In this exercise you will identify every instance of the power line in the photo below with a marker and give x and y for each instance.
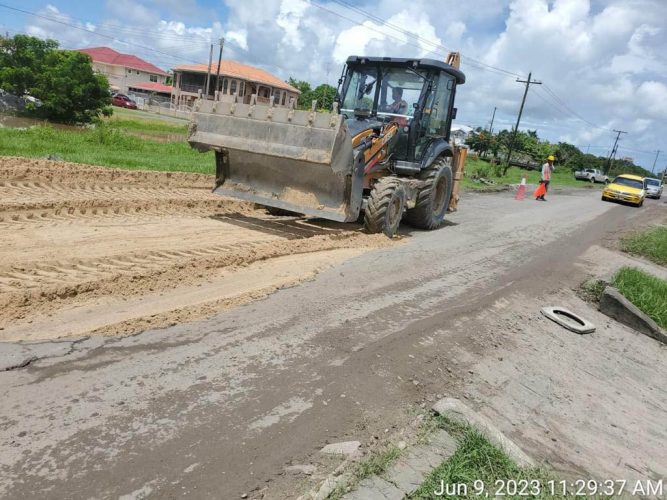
(407, 42)
(55, 20)
(419, 38)
(553, 94)
(171, 56)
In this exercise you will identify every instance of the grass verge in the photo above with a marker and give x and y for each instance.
(110, 144)
(377, 463)
(560, 178)
(647, 292)
(651, 244)
(483, 469)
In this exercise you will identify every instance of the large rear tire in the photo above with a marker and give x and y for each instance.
(433, 199)
(384, 209)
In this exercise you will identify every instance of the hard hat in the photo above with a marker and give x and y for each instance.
(551, 157)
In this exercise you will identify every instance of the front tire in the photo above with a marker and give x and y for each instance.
(384, 209)
(592, 180)
(433, 199)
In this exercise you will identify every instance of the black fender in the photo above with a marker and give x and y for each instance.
(438, 147)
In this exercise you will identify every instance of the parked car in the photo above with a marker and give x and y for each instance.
(122, 101)
(653, 187)
(627, 188)
(591, 175)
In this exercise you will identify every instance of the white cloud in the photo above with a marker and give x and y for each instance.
(605, 59)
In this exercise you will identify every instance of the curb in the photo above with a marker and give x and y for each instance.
(452, 407)
(405, 476)
(616, 306)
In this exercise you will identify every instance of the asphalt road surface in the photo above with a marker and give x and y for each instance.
(217, 408)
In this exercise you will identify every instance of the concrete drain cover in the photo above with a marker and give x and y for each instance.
(567, 319)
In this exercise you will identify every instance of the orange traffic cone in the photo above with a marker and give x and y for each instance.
(540, 191)
(521, 192)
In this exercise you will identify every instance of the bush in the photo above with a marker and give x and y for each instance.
(482, 171)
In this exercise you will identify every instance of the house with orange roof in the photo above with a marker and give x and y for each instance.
(233, 79)
(124, 70)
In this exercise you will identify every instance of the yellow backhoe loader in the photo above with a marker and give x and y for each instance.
(383, 150)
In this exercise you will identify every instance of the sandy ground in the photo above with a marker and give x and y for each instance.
(218, 408)
(89, 249)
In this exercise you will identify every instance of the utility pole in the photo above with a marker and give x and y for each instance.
(528, 83)
(613, 149)
(493, 116)
(656, 159)
(217, 73)
(208, 73)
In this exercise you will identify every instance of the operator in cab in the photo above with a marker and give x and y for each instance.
(399, 106)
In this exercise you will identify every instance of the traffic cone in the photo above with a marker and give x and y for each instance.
(521, 192)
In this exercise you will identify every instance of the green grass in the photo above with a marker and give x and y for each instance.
(645, 291)
(111, 144)
(477, 462)
(651, 244)
(135, 114)
(559, 178)
(146, 125)
(377, 463)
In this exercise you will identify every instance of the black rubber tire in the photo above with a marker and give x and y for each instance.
(592, 180)
(281, 212)
(433, 199)
(385, 205)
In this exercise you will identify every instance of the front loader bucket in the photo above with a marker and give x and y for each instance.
(280, 157)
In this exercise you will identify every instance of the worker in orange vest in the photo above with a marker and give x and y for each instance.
(547, 168)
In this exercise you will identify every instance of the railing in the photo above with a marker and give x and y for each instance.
(194, 89)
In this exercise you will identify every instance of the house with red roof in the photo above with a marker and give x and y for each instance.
(232, 79)
(125, 70)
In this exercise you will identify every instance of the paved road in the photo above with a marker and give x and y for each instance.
(217, 408)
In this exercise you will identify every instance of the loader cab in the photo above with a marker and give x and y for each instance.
(417, 94)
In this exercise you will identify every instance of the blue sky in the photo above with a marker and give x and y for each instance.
(602, 61)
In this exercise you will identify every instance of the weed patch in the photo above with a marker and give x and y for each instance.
(651, 244)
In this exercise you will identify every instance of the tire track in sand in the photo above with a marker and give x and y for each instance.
(73, 234)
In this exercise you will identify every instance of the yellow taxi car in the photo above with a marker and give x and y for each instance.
(627, 188)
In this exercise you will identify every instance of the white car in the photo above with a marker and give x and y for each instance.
(592, 175)
(653, 187)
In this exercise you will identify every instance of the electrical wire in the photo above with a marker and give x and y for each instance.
(407, 42)
(399, 29)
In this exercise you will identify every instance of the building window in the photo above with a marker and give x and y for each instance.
(153, 78)
(232, 87)
(241, 88)
(284, 96)
(225, 85)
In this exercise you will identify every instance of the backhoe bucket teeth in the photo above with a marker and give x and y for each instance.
(280, 157)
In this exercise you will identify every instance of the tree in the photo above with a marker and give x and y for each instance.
(325, 95)
(62, 80)
(302, 86)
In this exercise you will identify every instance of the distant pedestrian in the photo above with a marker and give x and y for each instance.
(547, 168)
